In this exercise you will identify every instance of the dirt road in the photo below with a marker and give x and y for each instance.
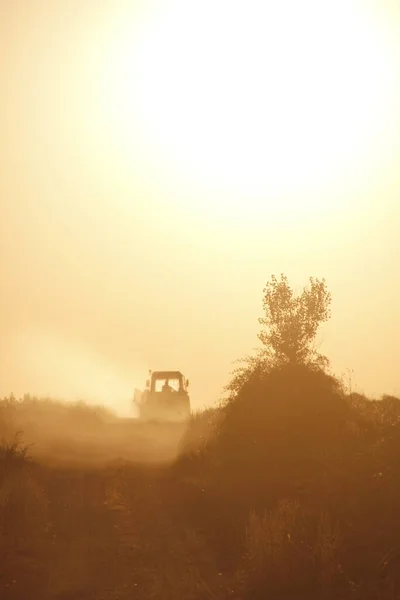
(104, 520)
(121, 441)
(112, 534)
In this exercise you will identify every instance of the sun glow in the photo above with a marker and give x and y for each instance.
(255, 97)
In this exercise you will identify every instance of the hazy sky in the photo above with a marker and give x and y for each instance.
(161, 159)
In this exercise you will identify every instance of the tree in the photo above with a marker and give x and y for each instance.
(290, 324)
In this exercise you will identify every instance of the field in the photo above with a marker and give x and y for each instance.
(290, 491)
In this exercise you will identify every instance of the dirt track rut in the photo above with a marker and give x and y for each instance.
(158, 555)
(115, 534)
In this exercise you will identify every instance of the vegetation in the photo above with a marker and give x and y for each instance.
(290, 325)
(288, 490)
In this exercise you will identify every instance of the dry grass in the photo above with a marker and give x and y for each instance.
(287, 553)
(291, 491)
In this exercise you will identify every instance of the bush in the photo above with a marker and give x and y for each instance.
(293, 414)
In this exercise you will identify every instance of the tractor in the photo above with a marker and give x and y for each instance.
(165, 398)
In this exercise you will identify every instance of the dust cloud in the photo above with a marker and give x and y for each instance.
(81, 411)
(78, 435)
(58, 365)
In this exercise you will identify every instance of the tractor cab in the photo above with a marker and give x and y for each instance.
(167, 382)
